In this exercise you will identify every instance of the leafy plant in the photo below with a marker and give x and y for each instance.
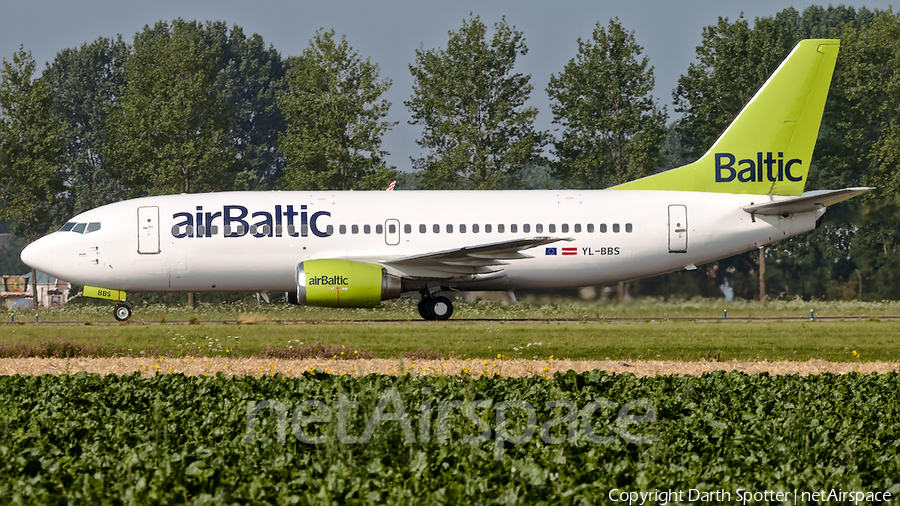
(171, 438)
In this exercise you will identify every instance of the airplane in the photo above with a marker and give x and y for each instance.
(357, 249)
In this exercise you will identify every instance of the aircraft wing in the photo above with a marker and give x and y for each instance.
(809, 201)
(483, 258)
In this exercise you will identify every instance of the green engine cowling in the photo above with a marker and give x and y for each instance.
(345, 283)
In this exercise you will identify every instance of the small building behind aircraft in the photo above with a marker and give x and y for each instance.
(15, 291)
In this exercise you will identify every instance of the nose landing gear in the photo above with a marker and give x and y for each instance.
(435, 308)
(122, 312)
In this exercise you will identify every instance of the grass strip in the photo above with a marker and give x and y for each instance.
(846, 341)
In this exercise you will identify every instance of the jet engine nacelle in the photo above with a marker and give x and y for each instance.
(343, 283)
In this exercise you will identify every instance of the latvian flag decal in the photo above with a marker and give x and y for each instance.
(569, 251)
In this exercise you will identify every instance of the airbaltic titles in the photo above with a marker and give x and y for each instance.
(265, 224)
(752, 170)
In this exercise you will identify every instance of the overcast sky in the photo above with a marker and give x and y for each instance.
(390, 31)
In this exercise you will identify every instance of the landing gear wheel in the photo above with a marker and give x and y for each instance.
(435, 308)
(440, 308)
(122, 312)
(423, 305)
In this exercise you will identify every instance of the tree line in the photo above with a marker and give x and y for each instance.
(195, 107)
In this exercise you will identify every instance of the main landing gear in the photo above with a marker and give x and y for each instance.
(435, 308)
(122, 312)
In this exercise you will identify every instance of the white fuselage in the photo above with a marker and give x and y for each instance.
(253, 241)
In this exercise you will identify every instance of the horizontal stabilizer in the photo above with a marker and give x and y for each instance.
(809, 201)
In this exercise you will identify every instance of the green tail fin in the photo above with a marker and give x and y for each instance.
(767, 149)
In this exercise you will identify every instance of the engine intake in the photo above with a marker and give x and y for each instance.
(344, 283)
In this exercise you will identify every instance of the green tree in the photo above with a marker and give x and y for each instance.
(819, 22)
(169, 133)
(868, 129)
(250, 77)
(335, 119)
(612, 129)
(85, 84)
(869, 89)
(471, 105)
(733, 62)
(10, 260)
(31, 150)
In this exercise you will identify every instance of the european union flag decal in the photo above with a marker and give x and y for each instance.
(550, 251)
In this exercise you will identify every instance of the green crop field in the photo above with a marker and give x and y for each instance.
(573, 439)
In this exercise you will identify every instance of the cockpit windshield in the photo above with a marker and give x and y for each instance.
(80, 228)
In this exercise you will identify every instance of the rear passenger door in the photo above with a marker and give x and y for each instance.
(678, 228)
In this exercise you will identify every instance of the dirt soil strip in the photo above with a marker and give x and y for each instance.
(196, 366)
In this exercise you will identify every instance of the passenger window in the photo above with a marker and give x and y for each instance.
(565, 228)
(513, 229)
(628, 228)
(449, 228)
(342, 229)
(487, 229)
(551, 228)
(367, 229)
(499, 229)
(526, 228)
(392, 228)
(436, 228)
(329, 230)
(422, 228)
(68, 226)
(475, 228)
(79, 228)
(539, 229)
(379, 229)
(92, 227)
(590, 228)
(462, 228)
(407, 229)
(354, 229)
(577, 228)
(616, 228)
(603, 228)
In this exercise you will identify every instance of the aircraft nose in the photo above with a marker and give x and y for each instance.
(39, 255)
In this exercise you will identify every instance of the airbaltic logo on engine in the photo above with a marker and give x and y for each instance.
(748, 169)
(238, 221)
(328, 280)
